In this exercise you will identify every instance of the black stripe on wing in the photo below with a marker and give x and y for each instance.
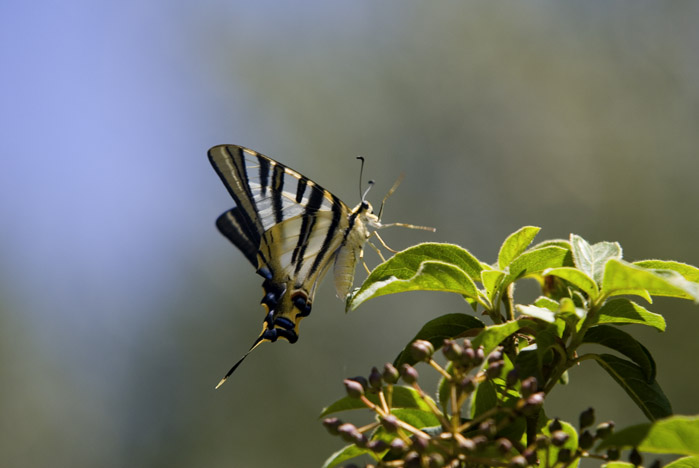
(229, 163)
(309, 219)
(268, 191)
(232, 225)
(332, 232)
(277, 192)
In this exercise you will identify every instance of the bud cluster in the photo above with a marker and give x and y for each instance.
(458, 441)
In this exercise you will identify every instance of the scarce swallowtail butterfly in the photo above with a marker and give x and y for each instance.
(292, 230)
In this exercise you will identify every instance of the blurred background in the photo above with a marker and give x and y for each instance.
(121, 306)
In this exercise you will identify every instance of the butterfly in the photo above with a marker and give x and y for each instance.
(292, 231)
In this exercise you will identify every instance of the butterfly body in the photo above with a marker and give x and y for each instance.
(292, 231)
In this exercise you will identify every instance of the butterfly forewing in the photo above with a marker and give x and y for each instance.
(267, 192)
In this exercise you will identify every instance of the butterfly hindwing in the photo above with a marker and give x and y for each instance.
(233, 225)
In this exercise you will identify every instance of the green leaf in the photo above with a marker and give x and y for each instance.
(540, 313)
(685, 462)
(491, 280)
(403, 397)
(425, 267)
(344, 454)
(625, 278)
(592, 258)
(563, 243)
(618, 340)
(546, 303)
(444, 390)
(515, 244)
(531, 359)
(577, 278)
(569, 312)
(417, 418)
(618, 464)
(549, 455)
(623, 310)
(437, 330)
(527, 363)
(491, 336)
(677, 435)
(689, 272)
(484, 398)
(535, 261)
(648, 396)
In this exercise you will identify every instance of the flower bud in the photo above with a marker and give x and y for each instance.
(532, 404)
(451, 350)
(331, 424)
(361, 381)
(512, 378)
(487, 428)
(390, 423)
(390, 373)
(518, 461)
(421, 350)
(559, 438)
(468, 357)
(377, 445)
(467, 344)
(435, 460)
(412, 460)
(529, 386)
(635, 457)
(494, 370)
(496, 355)
(409, 374)
(586, 440)
(375, 378)
(529, 454)
(604, 429)
(348, 432)
(503, 445)
(419, 443)
(564, 455)
(613, 454)
(397, 446)
(555, 425)
(354, 389)
(466, 445)
(360, 440)
(541, 441)
(480, 441)
(466, 385)
(587, 418)
(480, 356)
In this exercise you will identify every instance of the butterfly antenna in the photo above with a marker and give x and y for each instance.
(371, 184)
(390, 192)
(260, 339)
(361, 171)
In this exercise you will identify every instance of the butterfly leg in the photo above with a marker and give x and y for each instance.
(384, 244)
(361, 258)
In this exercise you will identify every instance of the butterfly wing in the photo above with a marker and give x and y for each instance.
(286, 225)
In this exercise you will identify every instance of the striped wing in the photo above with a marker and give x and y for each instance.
(283, 221)
(290, 228)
